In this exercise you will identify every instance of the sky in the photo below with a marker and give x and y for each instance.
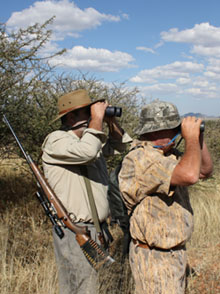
(168, 49)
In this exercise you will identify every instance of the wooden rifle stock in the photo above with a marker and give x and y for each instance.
(54, 200)
(94, 253)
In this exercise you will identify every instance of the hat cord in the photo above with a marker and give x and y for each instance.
(68, 128)
(171, 141)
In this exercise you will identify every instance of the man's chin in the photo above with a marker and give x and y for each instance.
(80, 125)
(166, 149)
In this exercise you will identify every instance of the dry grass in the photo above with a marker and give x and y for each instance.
(204, 247)
(27, 262)
(27, 265)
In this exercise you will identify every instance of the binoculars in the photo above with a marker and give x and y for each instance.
(113, 111)
(202, 127)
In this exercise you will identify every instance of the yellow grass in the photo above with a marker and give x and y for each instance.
(25, 271)
(27, 263)
(204, 247)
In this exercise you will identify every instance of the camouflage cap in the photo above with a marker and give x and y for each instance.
(157, 116)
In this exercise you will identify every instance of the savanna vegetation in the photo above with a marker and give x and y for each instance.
(29, 91)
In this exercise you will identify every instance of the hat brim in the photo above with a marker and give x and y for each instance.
(75, 108)
(149, 128)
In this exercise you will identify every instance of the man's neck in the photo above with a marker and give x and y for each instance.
(79, 132)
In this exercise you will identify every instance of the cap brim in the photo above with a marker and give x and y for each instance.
(141, 130)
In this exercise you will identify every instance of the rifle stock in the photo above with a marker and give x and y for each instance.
(62, 213)
(94, 253)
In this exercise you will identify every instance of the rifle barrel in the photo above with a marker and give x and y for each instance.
(5, 120)
(95, 255)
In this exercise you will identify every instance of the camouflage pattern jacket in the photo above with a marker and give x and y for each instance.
(162, 215)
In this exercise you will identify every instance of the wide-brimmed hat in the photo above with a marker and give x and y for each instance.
(72, 101)
(157, 116)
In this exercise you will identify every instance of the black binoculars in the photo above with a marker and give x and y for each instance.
(202, 126)
(113, 111)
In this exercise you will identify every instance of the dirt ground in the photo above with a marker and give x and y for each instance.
(204, 270)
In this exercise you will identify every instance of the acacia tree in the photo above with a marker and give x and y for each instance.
(30, 88)
(25, 80)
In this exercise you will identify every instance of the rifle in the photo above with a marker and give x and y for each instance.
(59, 216)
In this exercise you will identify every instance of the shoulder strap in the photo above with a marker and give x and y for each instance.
(91, 198)
(136, 147)
(93, 206)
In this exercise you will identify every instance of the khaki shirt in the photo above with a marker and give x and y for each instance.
(63, 153)
(162, 217)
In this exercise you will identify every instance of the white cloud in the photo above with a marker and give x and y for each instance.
(150, 50)
(158, 45)
(204, 37)
(188, 80)
(140, 79)
(201, 83)
(212, 76)
(183, 81)
(214, 65)
(194, 91)
(169, 71)
(203, 92)
(171, 90)
(160, 89)
(93, 59)
(213, 70)
(206, 51)
(146, 49)
(192, 79)
(201, 34)
(125, 16)
(69, 20)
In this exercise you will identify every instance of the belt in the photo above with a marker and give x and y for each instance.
(146, 246)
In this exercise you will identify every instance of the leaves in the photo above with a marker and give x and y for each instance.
(26, 85)
(30, 88)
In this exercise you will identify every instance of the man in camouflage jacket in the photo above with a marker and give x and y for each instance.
(153, 181)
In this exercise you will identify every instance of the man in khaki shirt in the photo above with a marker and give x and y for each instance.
(80, 144)
(153, 181)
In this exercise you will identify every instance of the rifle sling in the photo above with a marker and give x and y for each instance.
(91, 199)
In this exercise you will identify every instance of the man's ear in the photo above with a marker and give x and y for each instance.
(70, 118)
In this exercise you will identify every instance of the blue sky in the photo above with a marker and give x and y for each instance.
(169, 49)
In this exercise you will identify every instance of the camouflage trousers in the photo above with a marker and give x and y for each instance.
(158, 272)
(75, 274)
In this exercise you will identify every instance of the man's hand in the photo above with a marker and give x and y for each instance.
(98, 110)
(97, 115)
(190, 128)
